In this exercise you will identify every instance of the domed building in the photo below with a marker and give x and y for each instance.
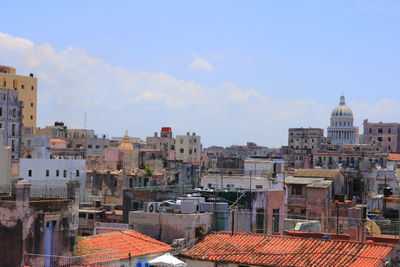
(342, 131)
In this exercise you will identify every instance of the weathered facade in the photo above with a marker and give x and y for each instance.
(387, 134)
(10, 119)
(46, 225)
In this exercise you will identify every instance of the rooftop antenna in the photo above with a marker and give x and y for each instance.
(84, 121)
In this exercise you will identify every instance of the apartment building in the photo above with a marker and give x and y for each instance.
(26, 87)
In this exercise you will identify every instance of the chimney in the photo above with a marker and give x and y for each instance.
(356, 223)
(155, 134)
(22, 192)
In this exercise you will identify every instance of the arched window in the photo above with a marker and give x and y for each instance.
(15, 84)
(4, 82)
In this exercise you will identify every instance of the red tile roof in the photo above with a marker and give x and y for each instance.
(118, 245)
(394, 157)
(268, 250)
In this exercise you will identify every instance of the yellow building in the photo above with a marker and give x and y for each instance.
(26, 86)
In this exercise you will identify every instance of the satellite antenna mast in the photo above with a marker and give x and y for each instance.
(84, 121)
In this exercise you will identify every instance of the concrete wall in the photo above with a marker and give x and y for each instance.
(23, 224)
(5, 161)
(242, 182)
(188, 147)
(59, 171)
(168, 226)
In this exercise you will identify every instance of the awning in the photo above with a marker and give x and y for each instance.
(167, 260)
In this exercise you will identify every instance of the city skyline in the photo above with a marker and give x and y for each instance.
(233, 79)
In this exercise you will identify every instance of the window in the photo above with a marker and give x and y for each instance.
(22, 86)
(380, 138)
(57, 173)
(1, 111)
(89, 146)
(32, 88)
(258, 186)
(230, 185)
(97, 146)
(181, 150)
(90, 216)
(31, 117)
(77, 173)
(370, 130)
(389, 139)
(47, 173)
(65, 173)
(390, 130)
(29, 173)
(82, 215)
(13, 130)
(297, 189)
(195, 150)
(380, 130)
(31, 105)
(14, 113)
(190, 151)
(29, 142)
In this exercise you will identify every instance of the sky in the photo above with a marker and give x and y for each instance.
(231, 71)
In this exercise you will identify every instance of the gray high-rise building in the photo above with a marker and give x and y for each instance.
(10, 119)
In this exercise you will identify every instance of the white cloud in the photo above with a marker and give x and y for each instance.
(200, 64)
(115, 99)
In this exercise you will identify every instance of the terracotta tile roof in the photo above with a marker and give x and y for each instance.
(60, 141)
(118, 245)
(269, 250)
(322, 173)
(395, 157)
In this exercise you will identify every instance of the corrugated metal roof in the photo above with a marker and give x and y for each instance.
(320, 184)
(302, 180)
(325, 173)
(268, 250)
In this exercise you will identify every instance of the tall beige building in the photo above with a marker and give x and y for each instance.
(26, 86)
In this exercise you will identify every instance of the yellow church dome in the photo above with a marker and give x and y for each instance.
(126, 143)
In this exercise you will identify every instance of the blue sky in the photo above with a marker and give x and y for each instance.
(232, 71)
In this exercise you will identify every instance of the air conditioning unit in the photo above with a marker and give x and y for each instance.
(189, 206)
(206, 206)
(150, 206)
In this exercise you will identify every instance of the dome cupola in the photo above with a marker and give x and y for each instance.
(342, 110)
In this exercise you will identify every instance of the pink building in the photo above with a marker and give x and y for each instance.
(387, 134)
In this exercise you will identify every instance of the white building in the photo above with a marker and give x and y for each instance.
(188, 147)
(341, 129)
(53, 171)
(258, 174)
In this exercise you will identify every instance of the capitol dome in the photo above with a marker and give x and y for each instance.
(342, 110)
(341, 131)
